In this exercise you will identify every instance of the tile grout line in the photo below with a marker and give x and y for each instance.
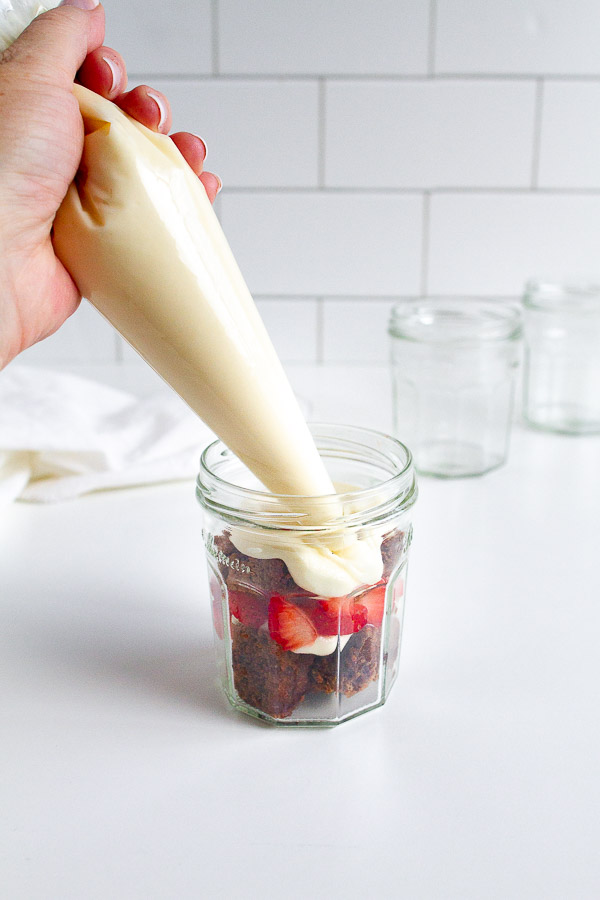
(321, 122)
(362, 298)
(288, 296)
(392, 191)
(320, 332)
(371, 297)
(214, 36)
(425, 243)
(353, 77)
(431, 38)
(537, 134)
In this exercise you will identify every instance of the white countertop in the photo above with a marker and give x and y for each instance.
(123, 773)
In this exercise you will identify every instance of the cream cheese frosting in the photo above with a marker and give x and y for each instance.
(142, 242)
(324, 646)
(137, 232)
(330, 565)
(330, 562)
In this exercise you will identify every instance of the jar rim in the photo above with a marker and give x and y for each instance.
(451, 320)
(317, 513)
(545, 294)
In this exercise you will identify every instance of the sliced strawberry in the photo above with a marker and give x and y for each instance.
(338, 615)
(249, 609)
(326, 621)
(374, 601)
(290, 625)
(398, 594)
(360, 615)
(217, 606)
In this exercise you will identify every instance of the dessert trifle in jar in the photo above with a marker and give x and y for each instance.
(308, 592)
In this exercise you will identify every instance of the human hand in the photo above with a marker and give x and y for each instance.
(41, 142)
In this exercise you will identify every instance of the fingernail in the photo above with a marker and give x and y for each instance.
(114, 71)
(203, 142)
(80, 4)
(161, 107)
(220, 183)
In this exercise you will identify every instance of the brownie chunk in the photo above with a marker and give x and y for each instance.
(391, 550)
(359, 664)
(266, 676)
(240, 571)
(223, 549)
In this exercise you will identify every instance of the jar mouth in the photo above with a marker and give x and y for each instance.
(544, 294)
(383, 464)
(447, 320)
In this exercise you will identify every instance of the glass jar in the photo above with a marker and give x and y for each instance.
(561, 386)
(308, 592)
(453, 375)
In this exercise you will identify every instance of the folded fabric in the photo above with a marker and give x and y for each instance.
(62, 435)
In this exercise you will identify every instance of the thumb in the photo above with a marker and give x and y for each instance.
(55, 44)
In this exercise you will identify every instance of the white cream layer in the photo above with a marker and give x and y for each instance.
(331, 565)
(321, 646)
(143, 244)
(324, 646)
(137, 233)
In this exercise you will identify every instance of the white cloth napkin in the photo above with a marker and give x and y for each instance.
(62, 436)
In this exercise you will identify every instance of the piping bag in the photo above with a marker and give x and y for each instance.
(142, 242)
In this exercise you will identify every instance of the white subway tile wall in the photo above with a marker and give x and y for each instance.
(429, 134)
(376, 149)
(489, 243)
(323, 37)
(570, 135)
(258, 133)
(162, 37)
(84, 338)
(292, 325)
(325, 243)
(515, 37)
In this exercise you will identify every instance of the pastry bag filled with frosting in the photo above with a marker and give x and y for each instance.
(143, 244)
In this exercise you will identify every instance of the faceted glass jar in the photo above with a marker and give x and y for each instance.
(561, 385)
(308, 592)
(453, 378)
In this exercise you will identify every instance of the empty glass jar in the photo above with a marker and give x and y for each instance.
(453, 368)
(308, 592)
(561, 385)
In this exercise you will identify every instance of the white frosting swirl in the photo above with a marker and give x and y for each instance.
(329, 565)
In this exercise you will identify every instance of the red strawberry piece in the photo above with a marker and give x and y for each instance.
(374, 601)
(398, 594)
(249, 608)
(217, 606)
(360, 615)
(338, 615)
(290, 625)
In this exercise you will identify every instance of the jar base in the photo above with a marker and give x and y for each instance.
(317, 711)
(310, 690)
(564, 419)
(449, 459)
